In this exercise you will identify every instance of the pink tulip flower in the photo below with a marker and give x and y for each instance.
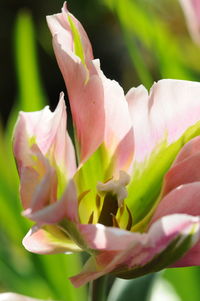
(131, 199)
(191, 9)
(16, 297)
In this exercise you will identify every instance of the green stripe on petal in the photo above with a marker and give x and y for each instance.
(147, 178)
(171, 254)
(78, 48)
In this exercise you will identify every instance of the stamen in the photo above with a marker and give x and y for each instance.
(130, 219)
(90, 221)
(98, 201)
(115, 222)
(116, 187)
(81, 196)
(121, 209)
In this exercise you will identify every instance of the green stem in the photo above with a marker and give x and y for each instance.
(97, 291)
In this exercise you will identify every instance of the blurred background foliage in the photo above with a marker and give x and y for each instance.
(138, 41)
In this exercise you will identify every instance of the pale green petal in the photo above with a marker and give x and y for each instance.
(147, 178)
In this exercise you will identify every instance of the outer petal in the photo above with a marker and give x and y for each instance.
(38, 185)
(45, 159)
(59, 23)
(99, 237)
(166, 241)
(166, 113)
(185, 168)
(183, 199)
(189, 149)
(48, 130)
(98, 105)
(16, 297)
(49, 240)
(163, 122)
(191, 9)
(66, 207)
(182, 183)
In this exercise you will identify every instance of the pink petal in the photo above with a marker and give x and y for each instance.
(85, 99)
(183, 199)
(182, 173)
(48, 130)
(66, 207)
(16, 297)
(171, 107)
(98, 105)
(189, 149)
(59, 23)
(118, 135)
(38, 185)
(49, 240)
(191, 9)
(100, 237)
(139, 250)
(29, 182)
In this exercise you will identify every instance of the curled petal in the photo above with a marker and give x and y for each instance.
(47, 130)
(167, 239)
(60, 24)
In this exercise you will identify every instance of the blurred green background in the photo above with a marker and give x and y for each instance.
(138, 41)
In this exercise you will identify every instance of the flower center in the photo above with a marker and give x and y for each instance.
(114, 212)
(109, 210)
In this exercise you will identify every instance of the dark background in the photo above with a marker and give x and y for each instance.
(101, 26)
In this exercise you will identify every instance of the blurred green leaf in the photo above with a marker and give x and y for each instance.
(162, 290)
(185, 281)
(31, 95)
(150, 42)
(129, 290)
